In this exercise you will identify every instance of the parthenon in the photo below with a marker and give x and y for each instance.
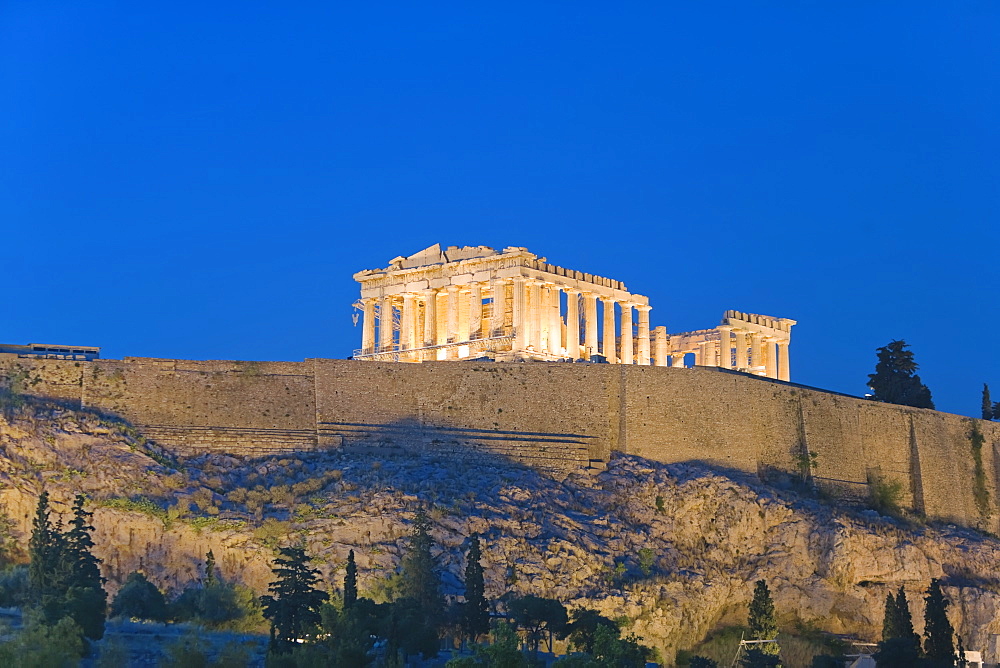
(476, 302)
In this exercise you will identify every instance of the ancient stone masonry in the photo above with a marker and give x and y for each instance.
(479, 303)
(554, 417)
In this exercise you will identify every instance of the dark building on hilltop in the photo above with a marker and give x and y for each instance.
(51, 351)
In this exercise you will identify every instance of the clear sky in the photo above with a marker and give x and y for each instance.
(201, 180)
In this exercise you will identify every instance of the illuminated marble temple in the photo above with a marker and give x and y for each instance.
(476, 302)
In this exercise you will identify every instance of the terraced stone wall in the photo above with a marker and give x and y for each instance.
(553, 416)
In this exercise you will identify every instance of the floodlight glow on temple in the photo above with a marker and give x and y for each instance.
(476, 302)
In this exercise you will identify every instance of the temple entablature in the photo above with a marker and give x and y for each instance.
(512, 305)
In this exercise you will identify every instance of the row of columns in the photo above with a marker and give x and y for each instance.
(743, 350)
(535, 317)
(539, 328)
(539, 325)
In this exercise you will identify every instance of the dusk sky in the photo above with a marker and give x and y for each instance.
(201, 180)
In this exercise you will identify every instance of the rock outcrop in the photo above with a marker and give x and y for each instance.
(675, 548)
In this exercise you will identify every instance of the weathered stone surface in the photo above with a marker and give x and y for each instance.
(709, 535)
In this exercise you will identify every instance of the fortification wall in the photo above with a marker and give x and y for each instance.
(552, 416)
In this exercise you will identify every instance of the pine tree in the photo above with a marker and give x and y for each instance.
(350, 582)
(293, 606)
(86, 599)
(987, 404)
(476, 613)
(939, 641)
(420, 579)
(762, 621)
(895, 380)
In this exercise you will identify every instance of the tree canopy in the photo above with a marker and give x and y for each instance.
(762, 620)
(294, 602)
(895, 380)
(939, 636)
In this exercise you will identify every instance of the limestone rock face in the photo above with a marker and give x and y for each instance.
(675, 548)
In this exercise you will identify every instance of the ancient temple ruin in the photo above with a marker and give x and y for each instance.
(476, 302)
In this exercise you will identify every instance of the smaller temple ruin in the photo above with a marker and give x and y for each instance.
(476, 302)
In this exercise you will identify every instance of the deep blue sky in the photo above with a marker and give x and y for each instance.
(201, 180)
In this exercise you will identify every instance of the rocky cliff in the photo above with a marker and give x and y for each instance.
(674, 548)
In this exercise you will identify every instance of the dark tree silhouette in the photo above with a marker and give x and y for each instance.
(987, 403)
(86, 600)
(420, 578)
(350, 582)
(476, 612)
(900, 646)
(210, 578)
(539, 617)
(895, 380)
(939, 636)
(583, 628)
(49, 570)
(890, 620)
(139, 598)
(294, 603)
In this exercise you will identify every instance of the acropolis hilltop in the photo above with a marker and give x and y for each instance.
(476, 302)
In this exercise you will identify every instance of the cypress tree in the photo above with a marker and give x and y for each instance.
(350, 582)
(49, 569)
(420, 579)
(904, 622)
(762, 621)
(86, 599)
(476, 613)
(895, 380)
(939, 641)
(987, 403)
(294, 602)
(890, 620)
(210, 578)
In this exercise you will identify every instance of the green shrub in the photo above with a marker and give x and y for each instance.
(42, 645)
(139, 599)
(14, 587)
(885, 495)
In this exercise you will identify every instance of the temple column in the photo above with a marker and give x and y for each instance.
(660, 346)
(545, 317)
(475, 311)
(385, 324)
(701, 356)
(498, 304)
(608, 349)
(643, 334)
(368, 326)
(725, 347)
(555, 320)
(741, 349)
(589, 324)
(677, 360)
(452, 320)
(430, 323)
(627, 356)
(756, 356)
(573, 324)
(464, 316)
(408, 329)
(536, 315)
(520, 315)
(783, 371)
(770, 358)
